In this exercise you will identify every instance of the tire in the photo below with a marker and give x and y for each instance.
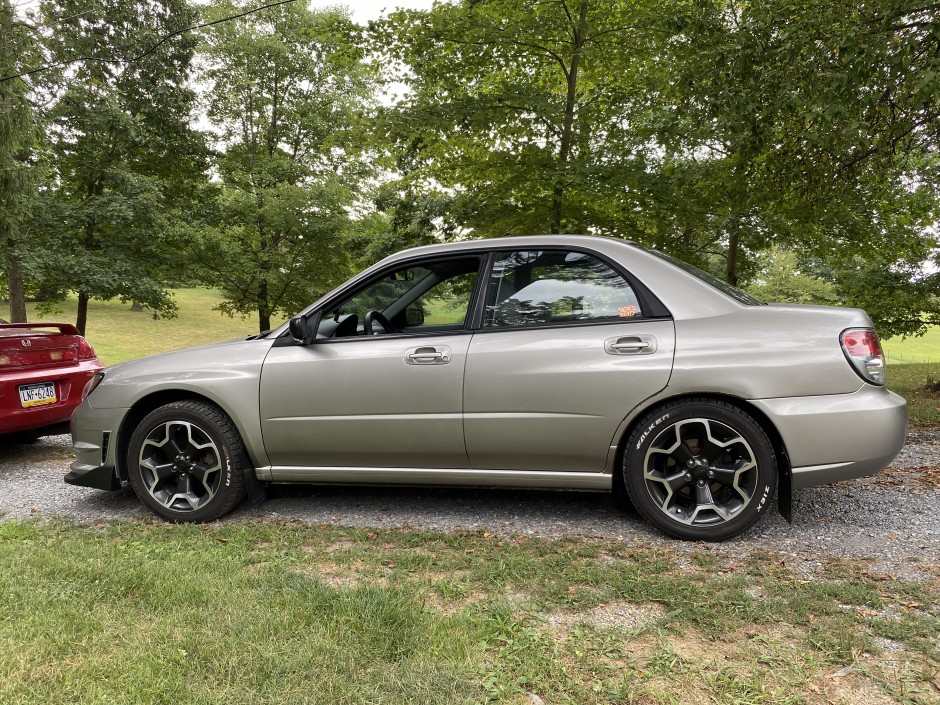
(700, 469)
(187, 463)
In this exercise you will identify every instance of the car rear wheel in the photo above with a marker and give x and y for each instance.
(187, 462)
(700, 469)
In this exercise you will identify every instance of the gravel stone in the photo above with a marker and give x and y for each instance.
(891, 519)
(622, 616)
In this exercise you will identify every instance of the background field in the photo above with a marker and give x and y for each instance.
(913, 350)
(119, 334)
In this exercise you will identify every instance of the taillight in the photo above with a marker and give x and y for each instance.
(85, 351)
(863, 349)
(92, 384)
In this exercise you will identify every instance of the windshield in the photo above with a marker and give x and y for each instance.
(722, 286)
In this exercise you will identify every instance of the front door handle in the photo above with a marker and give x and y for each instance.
(631, 345)
(428, 355)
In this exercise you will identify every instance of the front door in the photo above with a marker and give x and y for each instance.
(382, 386)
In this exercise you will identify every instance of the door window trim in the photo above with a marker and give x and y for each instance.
(474, 321)
(359, 287)
(647, 300)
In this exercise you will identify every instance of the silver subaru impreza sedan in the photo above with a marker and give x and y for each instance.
(556, 361)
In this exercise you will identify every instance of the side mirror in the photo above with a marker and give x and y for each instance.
(414, 316)
(300, 331)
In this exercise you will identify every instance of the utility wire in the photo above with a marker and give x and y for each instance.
(164, 39)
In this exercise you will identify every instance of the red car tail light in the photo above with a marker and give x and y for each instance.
(85, 351)
(863, 350)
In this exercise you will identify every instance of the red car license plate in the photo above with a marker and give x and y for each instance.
(37, 394)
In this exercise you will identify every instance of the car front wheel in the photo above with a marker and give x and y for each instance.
(187, 462)
(700, 469)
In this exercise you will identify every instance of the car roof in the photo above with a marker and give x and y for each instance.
(565, 240)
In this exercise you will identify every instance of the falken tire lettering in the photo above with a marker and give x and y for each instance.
(228, 468)
(650, 428)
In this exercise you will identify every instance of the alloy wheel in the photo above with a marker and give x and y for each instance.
(700, 472)
(180, 465)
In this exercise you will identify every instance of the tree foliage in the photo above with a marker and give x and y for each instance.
(528, 111)
(811, 126)
(709, 128)
(782, 278)
(286, 87)
(122, 149)
(791, 147)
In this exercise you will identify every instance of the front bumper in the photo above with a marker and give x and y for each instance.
(94, 440)
(841, 436)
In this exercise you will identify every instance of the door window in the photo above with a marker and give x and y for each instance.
(433, 296)
(556, 287)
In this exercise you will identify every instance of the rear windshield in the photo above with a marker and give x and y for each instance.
(722, 286)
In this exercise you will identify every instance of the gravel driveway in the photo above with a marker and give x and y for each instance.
(892, 519)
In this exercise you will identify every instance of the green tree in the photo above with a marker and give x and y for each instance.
(286, 87)
(713, 129)
(781, 278)
(18, 136)
(527, 111)
(812, 126)
(122, 149)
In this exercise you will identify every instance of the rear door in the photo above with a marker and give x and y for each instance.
(565, 350)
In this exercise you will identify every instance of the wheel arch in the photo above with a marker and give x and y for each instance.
(149, 403)
(784, 475)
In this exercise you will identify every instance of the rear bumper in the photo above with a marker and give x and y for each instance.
(841, 436)
(68, 385)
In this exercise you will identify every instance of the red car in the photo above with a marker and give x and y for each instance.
(43, 369)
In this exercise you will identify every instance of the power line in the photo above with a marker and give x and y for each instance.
(164, 39)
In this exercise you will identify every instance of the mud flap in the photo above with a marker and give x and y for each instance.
(102, 477)
(257, 491)
(785, 489)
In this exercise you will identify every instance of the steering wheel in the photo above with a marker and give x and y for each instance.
(376, 317)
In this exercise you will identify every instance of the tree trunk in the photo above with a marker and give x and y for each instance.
(731, 270)
(136, 307)
(264, 309)
(15, 286)
(567, 130)
(81, 320)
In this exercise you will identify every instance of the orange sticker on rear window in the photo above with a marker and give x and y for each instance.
(627, 311)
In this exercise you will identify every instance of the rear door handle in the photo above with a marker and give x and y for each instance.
(631, 345)
(428, 355)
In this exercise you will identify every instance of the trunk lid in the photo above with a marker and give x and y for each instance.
(38, 345)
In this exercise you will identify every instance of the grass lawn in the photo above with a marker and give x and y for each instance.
(919, 383)
(279, 613)
(912, 350)
(282, 613)
(119, 334)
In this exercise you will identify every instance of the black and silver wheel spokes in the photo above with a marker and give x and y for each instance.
(180, 465)
(700, 472)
